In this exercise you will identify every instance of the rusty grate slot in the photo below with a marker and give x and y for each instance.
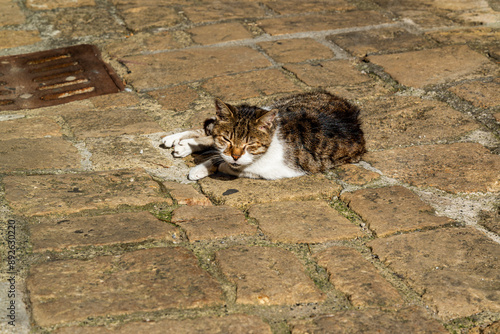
(53, 77)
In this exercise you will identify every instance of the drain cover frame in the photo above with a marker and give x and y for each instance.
(53, 77)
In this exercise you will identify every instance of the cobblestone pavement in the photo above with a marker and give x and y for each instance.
(110, 237)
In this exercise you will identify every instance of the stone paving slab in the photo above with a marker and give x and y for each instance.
(109, 123)
(454, 286)
(29, 128)
(42, 153)
(318, 22)
(158, 70)
(395, 121)
(237, 324)
(410, 320)
(144, 280)
(394, 209)
(457, 168)
(267, 276)
(303, 222)
(288, 256)
(211, 222)
(244, 192)
(435, 66)
(70, 193)
(350, 273)
(56, 234)
(362, 43)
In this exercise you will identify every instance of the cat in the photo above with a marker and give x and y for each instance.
(300, 134)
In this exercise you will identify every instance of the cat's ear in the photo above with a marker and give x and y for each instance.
(223, 111)
(266, 121)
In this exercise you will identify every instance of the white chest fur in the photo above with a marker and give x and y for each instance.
(271, 165)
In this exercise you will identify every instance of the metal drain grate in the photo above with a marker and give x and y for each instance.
(53, 77)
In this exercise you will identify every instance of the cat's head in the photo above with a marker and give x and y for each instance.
(242, 133)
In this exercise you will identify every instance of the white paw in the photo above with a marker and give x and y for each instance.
(182, 149)
(172, 140)
(198, 172)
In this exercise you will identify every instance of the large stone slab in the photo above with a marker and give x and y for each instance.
(185, 194)
(480, 94)
(409, 320)
(107, 123)
(455, 270)
(49, 234)
(394, 209)
(69, 193)
(29, 128)
(108, 153)
(41, 153)
(252, 84)
(362, 43)
(219, 33)
(267, 276)
(234, 324)
(206, 10)
(158, 70)
(296, 50)
(303, 222)
(300, 7)
(319, 22)
(244, 192)
(457, 168)
(435, 66)
(325, 73)
(350, 273)
(140, 281)
(211, 222)
(401, 121)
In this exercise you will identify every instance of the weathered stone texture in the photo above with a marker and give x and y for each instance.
(46, 5)
(394, 209)
(455, 270)
(141, 43)
(435, 66)
(68, 193)
(480, 94)
(267, 276)
(318, 22)
(356, 175)
(361, 43)
(296, 50)
(110, 153)
(206, 10)
(211, 222)
(109, 123)
(159, 70)
(29, 128)
(350, 273)
(60, 233)
(139, 281)
(401, 121)
(303, 222)
(11, 14)
(234, 324)
(244, 192)
(300, 7)
(409, 320)
(15, 38)
(328, 73)
(252, 84)
(185, 194)
(42, 153)
(176, 98)
(219, 33)
(457, 168)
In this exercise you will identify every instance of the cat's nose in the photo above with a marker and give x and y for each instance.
(235, 156)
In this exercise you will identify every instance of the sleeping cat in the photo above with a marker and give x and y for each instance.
(300, 134)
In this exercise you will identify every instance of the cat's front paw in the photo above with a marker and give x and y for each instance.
(198, 172)
(172, 140)
(182, 149)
